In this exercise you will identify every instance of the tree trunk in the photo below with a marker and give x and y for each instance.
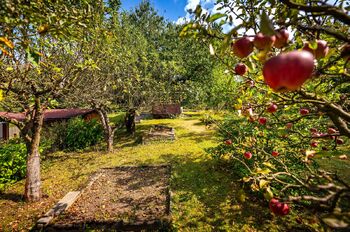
(33, 183)
(110, 143)
(130, 121)
(108, 129)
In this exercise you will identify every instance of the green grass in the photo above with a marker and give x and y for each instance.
(205, 195)
(330, 161)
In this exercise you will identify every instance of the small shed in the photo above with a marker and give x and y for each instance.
(166, 110)
(9, 131)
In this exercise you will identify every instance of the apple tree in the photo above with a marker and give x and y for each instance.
(39, 61)
(291, 59)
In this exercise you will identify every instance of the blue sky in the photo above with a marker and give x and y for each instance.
(170, 9)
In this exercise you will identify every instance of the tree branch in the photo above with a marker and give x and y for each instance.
(335, 34)
(326, 9)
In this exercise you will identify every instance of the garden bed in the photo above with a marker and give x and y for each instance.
(159, 133)
(121, 198)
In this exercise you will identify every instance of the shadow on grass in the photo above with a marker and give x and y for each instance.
(15, 197)
(198, 137)
(207, 194)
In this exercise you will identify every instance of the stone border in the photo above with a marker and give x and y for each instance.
(69, 199)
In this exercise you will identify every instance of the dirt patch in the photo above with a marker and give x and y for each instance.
(126, 198)
(159, 133)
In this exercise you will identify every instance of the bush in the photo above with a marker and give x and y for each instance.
(81, 134)
(12, 162)
(74, 134)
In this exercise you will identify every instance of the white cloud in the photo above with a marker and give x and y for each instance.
(211, 7)
(182, 20)
(192, 4)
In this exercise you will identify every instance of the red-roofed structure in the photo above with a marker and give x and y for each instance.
(53, 115)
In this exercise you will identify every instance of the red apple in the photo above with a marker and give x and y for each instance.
(228, 142)
(340, 141)
(241, 69)
(272, 108)
(282, 37)
(289, 125)
(278, 208)
(275, 153)
(331, 130)
(248, 155)
(321, 50)
(262, 41)
(284, 209)
(304, 111)
(314, 144)
(288, 71)
(262, 120)
(243, 47)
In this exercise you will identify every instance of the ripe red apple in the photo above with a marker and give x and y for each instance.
(262, 120)
(304, 111)
(241, 69)
(262, 41)
(321, 50)
(278, 208)
(248, 155)
(288, 71)
(313, 144)
(282, 37)
(228, 142)
(243, 47)
(272, 108)
(289, 125)
(273, 205)
(340, 141)
(331, 131)
(275, 153)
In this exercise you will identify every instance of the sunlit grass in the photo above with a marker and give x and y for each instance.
(205, 195)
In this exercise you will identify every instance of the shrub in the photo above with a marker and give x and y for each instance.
(81, 134)
(12, 162)
(74, 134)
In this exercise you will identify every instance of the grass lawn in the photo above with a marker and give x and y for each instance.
(205, 196)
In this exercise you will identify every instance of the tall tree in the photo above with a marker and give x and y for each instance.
(37, 65)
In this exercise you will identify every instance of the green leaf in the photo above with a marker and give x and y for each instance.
(198, 11)
(268, 194)
(313, 45)
(266, 26)
(263, 183)
(216, 16)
